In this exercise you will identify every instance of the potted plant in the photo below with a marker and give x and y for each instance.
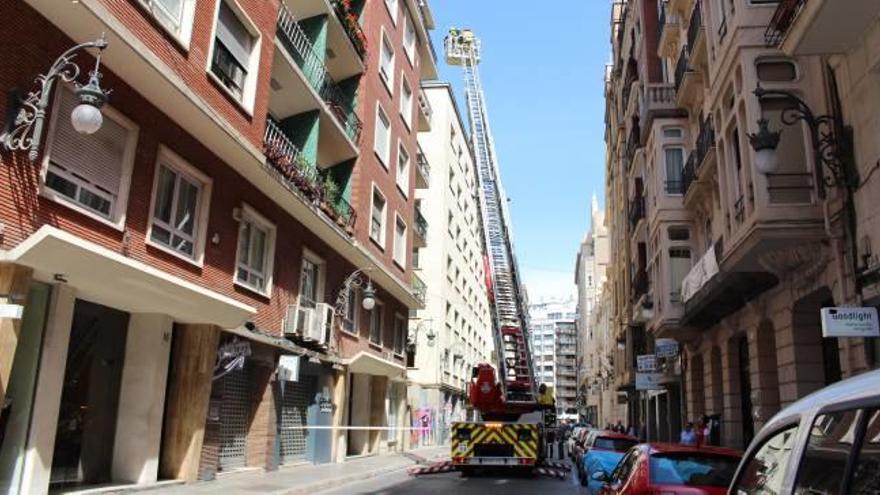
(329, 196)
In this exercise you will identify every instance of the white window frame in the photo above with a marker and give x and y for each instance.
(311, 257)
(182, 33)
(384, 155)
(171, 160)
(393, 7)
(120, 206)
(384, 228)
(402, 176)
(352, 304)
(387, 76)
(406, 110)
(398, 252)
(248, 214)
(379, 309)
(410, 49)
(249, 91)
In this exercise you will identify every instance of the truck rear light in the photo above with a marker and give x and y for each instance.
(526, 462)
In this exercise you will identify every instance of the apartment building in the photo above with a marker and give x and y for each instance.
(553, 339)
(219, 258)
(598, 396)
(454, 331)
(721, 256)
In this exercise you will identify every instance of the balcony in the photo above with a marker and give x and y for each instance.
(636, 212)
(696, 34)
(285, 162)
(669, 29)
(633, 143)
(421, 229)
(425, 112)
(688, 81)
(701, 160)
(419, 289)
(640, 285)
(352, 26)
(813, 27)
(659, 102)
(423, 170)
(342, 38)
(301, 83)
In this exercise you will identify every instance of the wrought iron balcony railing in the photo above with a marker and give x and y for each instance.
(689, 175)
(705, 141)
(420, 290)
(640, 284)
(636, 211)
(421, 224)
(661, 21)
(424, 168)
(695, 25)
(303, 52)
(786, 13)
(681, 68)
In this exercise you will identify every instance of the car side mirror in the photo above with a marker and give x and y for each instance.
(601, 476)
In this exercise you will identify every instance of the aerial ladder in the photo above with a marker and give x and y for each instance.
(511, 427)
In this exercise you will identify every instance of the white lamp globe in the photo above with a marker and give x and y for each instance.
(86, 119)
(368, 303)
(767, 161)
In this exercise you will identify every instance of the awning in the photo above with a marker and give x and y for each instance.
(106, 277)
(282, 344)
(370, 364)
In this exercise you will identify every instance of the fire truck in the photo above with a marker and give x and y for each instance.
(512, 426)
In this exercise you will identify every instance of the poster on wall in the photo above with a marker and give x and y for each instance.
(649, 381)
(646, 362)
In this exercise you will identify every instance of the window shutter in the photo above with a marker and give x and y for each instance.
(97, 157)
(234, 36)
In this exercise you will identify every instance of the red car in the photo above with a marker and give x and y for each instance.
(671, 469)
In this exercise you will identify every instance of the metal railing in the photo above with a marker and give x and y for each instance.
(661, 21)
(695, 25)
(674, 186)
(782, 20)
(632, 144)
(739, 209)
(287, 164)
(424, 168)
(681, 68)
(640, 284)
(419, 289)
(689, 174)
(303, 52)
(421, 224)
(705, 140)
(636, 211)
(352, 27)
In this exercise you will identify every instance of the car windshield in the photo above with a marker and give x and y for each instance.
(615, 444)
(692, 469)
(602, 460)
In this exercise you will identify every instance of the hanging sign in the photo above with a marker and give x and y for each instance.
(666, 348)
(646, 362)
(288, 368)
(649, 381)
(850, 322)
(324, 405)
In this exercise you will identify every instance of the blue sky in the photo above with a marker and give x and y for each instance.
(542, 73)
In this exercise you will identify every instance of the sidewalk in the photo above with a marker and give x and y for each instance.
(308, 479)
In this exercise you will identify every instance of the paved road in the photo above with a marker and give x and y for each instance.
(453, 483)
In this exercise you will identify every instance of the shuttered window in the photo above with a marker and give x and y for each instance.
(87, 169)
(233, 47)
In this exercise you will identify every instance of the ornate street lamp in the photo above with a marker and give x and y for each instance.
(357, 280)
(831, 146)
(25, 130)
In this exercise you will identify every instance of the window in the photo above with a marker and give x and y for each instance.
(679, 267)
(865, 478)
(181, 196)
(175, 16)
(409, 38)
(406, 101)
(674, 170)
(377, 218)
(90, 173)
(350, 322)
(382, 141)
(392, 9)
(311, 281)
(403, 162)
(823, 465)
(672, 132)
(692, 470)
(376, 324)
(386, 62)
(679, 234)
(400, 247)
(233, 59)
(776, 70)
(623, 470)
(256, 247)
(765, 470)
(399, 334)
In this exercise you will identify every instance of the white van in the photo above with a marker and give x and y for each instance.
(825, 443)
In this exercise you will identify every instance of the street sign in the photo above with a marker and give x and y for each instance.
(646, 362)
(288, 368)
(666, 348)
(648, 381)
(850, 322)
(11, 311)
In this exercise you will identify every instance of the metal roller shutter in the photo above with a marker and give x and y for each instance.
(293, 403)
(234, 414)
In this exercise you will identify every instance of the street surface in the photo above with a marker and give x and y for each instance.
(453, 483)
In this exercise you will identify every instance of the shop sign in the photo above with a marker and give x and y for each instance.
(646, 362)
(288, 368)
(850, 322)
(11, 311)
(666, 348)
(649, 381)
(324, 405)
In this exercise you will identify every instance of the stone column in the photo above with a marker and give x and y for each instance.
(732, 434)
(340, 413)
(194, 356)
(141, 399)
(15, 282)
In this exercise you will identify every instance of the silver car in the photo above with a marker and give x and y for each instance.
(825, 443)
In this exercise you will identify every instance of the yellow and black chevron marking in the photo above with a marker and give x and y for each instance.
(523, 437)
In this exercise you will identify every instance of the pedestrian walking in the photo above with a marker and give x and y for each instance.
(688, 437)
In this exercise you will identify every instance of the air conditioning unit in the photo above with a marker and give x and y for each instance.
(322, 325)
(299, 321)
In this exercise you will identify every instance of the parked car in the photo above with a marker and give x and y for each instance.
(827, 442)
(598, 449)
(665, 468)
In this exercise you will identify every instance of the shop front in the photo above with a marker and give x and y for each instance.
(377, 405)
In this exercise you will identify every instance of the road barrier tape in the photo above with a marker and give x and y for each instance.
(553, 473)
(440, 467)
(366, 428)
(556, 465)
